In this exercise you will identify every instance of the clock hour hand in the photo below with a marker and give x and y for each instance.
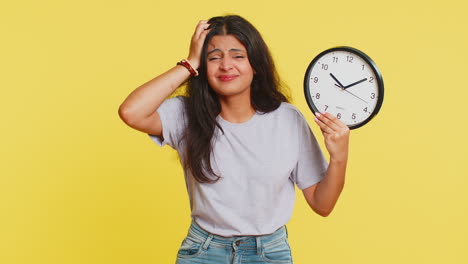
(336, 80)
(360, 81)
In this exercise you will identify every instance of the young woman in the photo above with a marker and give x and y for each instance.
(241, 144)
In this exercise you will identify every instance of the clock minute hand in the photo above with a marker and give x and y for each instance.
(360, 81)
(336, 80)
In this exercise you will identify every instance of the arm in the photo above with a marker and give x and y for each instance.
(139, 108)
(323, 196)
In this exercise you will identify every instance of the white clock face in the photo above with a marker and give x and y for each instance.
(344, 84)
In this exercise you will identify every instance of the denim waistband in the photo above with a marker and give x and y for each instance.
(239, 241)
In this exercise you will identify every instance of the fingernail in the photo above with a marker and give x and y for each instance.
(317, 114)
(316, 119)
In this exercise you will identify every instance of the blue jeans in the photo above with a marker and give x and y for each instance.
(200, 246)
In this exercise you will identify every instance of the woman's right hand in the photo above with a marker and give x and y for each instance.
(196, 43)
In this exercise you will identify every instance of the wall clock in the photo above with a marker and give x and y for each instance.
(345, 82)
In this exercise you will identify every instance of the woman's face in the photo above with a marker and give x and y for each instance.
(229, 71)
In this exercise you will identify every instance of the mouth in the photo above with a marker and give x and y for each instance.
(227, 78)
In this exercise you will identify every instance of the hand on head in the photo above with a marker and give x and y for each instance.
(197, 41)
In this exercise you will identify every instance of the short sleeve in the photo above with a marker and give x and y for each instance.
(311, 163)
(173, 121)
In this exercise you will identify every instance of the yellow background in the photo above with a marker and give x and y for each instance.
(79, 186)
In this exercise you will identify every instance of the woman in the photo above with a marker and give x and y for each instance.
(242, 146)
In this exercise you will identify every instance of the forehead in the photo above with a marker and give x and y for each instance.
(225, 43)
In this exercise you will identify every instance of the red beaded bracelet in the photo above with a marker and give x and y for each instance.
(189, 67)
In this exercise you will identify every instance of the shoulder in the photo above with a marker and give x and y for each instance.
(173, 105)
(290, 111)
(176, 100)
(287, 115)
(172, 110)
(289, 107)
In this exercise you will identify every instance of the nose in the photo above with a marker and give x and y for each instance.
(226, 63)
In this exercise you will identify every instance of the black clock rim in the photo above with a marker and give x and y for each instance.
(367, 59)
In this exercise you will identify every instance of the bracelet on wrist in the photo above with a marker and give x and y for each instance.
(188, 66)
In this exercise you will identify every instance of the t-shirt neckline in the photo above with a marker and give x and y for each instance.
(251, 120)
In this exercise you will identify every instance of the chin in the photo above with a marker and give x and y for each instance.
(226, 91)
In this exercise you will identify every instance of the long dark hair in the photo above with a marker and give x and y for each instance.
(202, 104)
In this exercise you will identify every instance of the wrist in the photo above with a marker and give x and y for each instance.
(193, 62)
(186, 64)
(339, 159)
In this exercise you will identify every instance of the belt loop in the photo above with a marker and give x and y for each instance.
(259, 245)
(207, 242)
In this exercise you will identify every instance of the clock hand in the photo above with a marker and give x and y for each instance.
(360, 81)
(336, 80)
(351, 93)
(356, 96)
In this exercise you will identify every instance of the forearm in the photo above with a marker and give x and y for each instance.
(329, 189)
(145, 99)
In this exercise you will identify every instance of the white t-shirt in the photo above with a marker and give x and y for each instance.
(258, 161)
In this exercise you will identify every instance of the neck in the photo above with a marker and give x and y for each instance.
(236, 109)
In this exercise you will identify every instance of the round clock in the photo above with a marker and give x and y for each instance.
(345, 82)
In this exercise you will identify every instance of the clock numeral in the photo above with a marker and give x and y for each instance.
(365, 109)
(335, 59)
(353, 116)
(363, 67)
(317, 95)
(372, 96)
(371, 79)
(315, 79)
(338, 116)
(349, 59)
(324, 66)
(326, 107)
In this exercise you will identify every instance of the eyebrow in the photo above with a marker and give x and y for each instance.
(215, 50)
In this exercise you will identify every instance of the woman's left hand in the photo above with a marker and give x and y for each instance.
(336, 135)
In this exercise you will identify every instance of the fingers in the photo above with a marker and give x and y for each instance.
(328, 123)
(200, 30)
(197, 41)
(323, 127)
